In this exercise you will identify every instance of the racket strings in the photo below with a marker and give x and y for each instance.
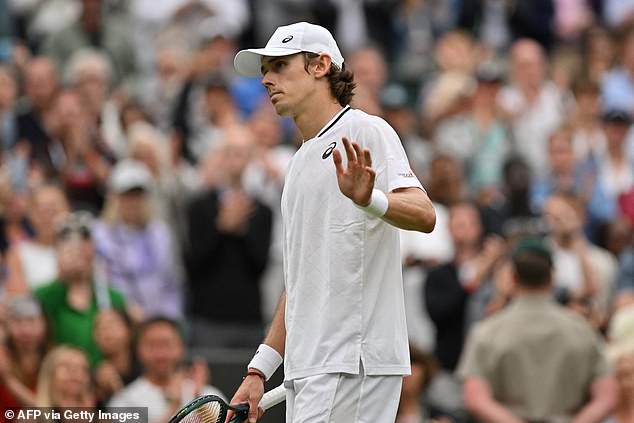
(210, 412)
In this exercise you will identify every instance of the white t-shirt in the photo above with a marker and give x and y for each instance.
(534, 122)
(39, 263)
(342, 267)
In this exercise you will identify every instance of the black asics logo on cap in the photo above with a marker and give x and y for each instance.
(287, 39)
(329, 150)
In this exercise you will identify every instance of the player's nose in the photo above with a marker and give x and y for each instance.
(267, 81)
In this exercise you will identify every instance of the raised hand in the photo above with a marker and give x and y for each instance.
(356, 180)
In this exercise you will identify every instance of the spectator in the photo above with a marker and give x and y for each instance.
(456, 296)
(617, 88)
(83, 162)
(181, 24)
(219, 113)
(229, 241)
(71, 303)
(620, 333)
(173, 184)
(399, 113)
(14, 225)
(624, 370)
(114, 335)
(22, 353)
(488, 20)
(370, 72)
(511, 214)
(450, 287)
(8, 92)
(584, 274)
(617, 236)
(571, 20)
(569, 176)
(199, 105)
(615, 168)
(598, 52)
(532, 103)
(94, 28)
(36, 21)
(137, 246)
(446, 180)
(89, 73)
(164, 385)
(64, 380)
(36, 115)
(445, 94)
(33, 262)
(589, 141)
(158, 92)
(535, 361)
(478, 136)
(417, 23)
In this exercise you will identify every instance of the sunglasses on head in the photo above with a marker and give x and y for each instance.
(78, 223)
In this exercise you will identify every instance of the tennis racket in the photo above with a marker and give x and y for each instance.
(212, 409)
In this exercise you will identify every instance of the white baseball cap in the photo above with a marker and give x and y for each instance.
(128, 174)
(287, 40)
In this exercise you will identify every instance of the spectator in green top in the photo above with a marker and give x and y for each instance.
(72, 302)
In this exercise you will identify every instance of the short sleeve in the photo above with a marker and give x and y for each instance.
(388, 156)
(118, 300)
(50, 296)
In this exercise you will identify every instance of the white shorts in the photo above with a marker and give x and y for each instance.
(343, 398)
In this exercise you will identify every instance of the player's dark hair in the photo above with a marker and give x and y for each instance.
(341, 81)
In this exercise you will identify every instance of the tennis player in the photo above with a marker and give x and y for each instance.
(340, 324)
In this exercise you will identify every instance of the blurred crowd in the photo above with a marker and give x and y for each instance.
(140, 182)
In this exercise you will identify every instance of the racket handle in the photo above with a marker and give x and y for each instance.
(273, 397)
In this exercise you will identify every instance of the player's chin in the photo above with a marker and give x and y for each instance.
(281, 109)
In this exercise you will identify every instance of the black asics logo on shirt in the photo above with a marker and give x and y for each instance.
(287, 39)
(329, 150)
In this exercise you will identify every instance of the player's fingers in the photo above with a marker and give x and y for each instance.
(253, 410)
(367, 157)
(230, 414)
(359, 153)
(352, 157)
(337, 159)
(372, 173)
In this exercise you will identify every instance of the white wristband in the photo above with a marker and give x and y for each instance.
(266, 360)
(378, 204)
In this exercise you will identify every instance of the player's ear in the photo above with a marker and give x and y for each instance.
(322, 65)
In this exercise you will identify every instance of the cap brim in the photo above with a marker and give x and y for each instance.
(132, 187)
(249, 62)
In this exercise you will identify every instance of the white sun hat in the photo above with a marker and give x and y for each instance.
(287, 40)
